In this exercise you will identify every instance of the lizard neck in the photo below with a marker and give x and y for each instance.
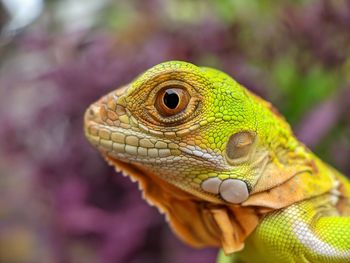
(197, 222)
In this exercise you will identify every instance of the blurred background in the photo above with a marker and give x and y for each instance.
(59, 201)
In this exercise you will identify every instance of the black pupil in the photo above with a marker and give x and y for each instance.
(171, 99)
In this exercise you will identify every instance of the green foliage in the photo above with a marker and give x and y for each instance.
(302, 90)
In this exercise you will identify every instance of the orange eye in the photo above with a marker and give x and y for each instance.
(171, 101)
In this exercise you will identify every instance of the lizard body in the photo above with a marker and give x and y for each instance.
(224, 166)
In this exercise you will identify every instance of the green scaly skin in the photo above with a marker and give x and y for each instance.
(224, 167)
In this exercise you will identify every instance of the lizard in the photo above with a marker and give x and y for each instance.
(223, 165)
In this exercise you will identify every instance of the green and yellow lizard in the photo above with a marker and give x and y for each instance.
(223, 166)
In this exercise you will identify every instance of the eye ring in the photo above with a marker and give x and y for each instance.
(186, 106)
(171, 100)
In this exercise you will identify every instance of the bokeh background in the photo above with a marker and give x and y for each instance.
(59, 201)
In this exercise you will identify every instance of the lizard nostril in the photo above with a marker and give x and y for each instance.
(91, 112)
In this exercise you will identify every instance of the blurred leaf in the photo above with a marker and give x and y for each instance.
(302, 90)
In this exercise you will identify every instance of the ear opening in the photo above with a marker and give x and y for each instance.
(239, 147)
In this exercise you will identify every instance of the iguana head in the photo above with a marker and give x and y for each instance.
(205, 150)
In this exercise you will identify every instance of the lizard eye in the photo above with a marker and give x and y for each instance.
(171, 101)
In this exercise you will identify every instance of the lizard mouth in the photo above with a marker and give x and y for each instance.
(129, 145)
(134, 146)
